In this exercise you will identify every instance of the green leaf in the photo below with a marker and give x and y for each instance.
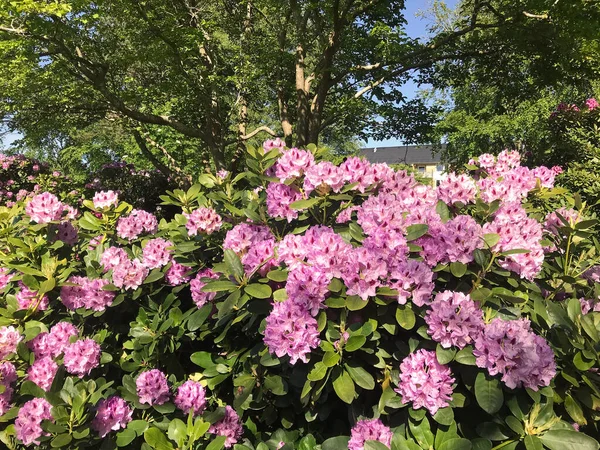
(233, 263)
(278, 276)
(442, 209)
(305, 204)
(153, 276)
(355, 303)
(125, 437)
(414, 232)
(456, 444)
(217, 444)
(458, 269)
(157, 440)
(444, 416)
(218, 286)
(533, 443)
(574, 410)
(62, 440)
(568, 440)
(177, 431)
(354, 343)
(330, 359)
(196, 320)
(361, 377)
(465, 356)
(258, 290)
(405, 317)
(318, 372)
(491, 239)
(444, 355)
(375, 445)
(344, 386)
(336, 443)
(488, 393)
(202, 359)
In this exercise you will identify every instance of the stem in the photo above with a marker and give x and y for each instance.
(504, 444)
(482, 273)
(567, 256)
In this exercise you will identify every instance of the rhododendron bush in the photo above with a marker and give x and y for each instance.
(305, 305)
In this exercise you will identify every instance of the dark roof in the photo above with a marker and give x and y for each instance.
(406, 154)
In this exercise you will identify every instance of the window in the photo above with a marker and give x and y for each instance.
(440, 167)
(421, 169)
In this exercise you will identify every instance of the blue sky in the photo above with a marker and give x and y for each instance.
(416, 28)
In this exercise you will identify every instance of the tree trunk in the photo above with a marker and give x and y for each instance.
(302, 106)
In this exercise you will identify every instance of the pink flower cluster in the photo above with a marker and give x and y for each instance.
(510, 348)
(42, 372)
(457, 188)
(112, 414)
(44, 208)
(135, 224)
(517, 231)
(28, 299)
(293, 163)
(454, 319)
(205, 220)
(291, 331)
(9, 339)
(177, 274)
(8, 375)
(554, 222)
(191, 397)
(52, 344)
(81, 357)
(591, 104)
(28, 424)
(67, 233)
(129, 274)
(271, 144)
(230, 426)
(425, 382)
(156, 253)
(86, 293)
(152, 387)
(323, 177)
(369, 430)
(105, 199)
(201, 298)
(5, 277)
(279, 199)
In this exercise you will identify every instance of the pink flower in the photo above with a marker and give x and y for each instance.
(136, 223)
(241, 237)
(425, 382)
(129, 274)
(112, 414)
(293, 163)
(113, 257)
(157, 253)
(8, 373)
(191, 397)
(454, 319)
(9, 339)
(86, 293)
(457, 188)
(152, 387)
(205, 220)
(29, 299)
(177, 274)
(291, 331)
(44, 208)
(272, 144)
(66, 232)
(369, 430)
(591, 104)
(279, 199)
(105, 199)
(52, 344)
(201, 298)
(81, 357)
(307, 286)
(229, 426)
(5, 277)
(29, 420)
(42, 372)
(323, 177)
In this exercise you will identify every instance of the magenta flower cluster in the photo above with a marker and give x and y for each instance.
(53, 344)
(152, 387)
(86, 293)
(369, 430)
(229, 426)
(204, 220)
(191, 397)
(9, 339)
(157, 253)
(511, 349)
(42, 372)
(45, 208)
(112, 414)
(453, 319)
(105, 199)
(425, 382)
(81, 357)
(8, 375)
(28, 424)
(29, 299)
(136, 223)
(201, 298)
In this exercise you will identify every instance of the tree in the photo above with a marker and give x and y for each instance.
(221, 74)
(504, 101)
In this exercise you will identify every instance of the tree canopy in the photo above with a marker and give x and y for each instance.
(192, 80)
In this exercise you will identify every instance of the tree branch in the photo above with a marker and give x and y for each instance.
(261, 129)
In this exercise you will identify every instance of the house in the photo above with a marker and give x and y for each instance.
(423, 158)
